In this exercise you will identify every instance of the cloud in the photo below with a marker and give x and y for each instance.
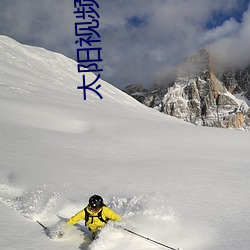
(170, 31)
(228, 28)
(141, 40)
(233, 49)
(47, 23)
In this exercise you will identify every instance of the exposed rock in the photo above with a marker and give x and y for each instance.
(237, 81)
(133, 88)
(137, 91)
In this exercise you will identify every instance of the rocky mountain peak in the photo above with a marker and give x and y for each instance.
(196, 64)
(202, 97)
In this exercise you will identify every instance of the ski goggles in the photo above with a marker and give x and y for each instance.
(94, 208)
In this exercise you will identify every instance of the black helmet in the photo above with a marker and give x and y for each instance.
(96, 202)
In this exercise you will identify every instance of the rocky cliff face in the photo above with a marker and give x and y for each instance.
(237, 81)
(201, 97)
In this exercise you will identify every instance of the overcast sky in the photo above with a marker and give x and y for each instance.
(141, 40)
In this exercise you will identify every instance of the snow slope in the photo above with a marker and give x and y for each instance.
(176, 183)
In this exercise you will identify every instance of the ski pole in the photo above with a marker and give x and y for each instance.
(146, 238)
(45, 228)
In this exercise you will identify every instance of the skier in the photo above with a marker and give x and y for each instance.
(95, 214)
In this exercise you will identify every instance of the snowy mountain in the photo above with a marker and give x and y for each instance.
(182, 185)
(201, 96)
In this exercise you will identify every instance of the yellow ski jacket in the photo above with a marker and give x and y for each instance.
(94, 223)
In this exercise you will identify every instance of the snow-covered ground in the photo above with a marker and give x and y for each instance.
(181, 185)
